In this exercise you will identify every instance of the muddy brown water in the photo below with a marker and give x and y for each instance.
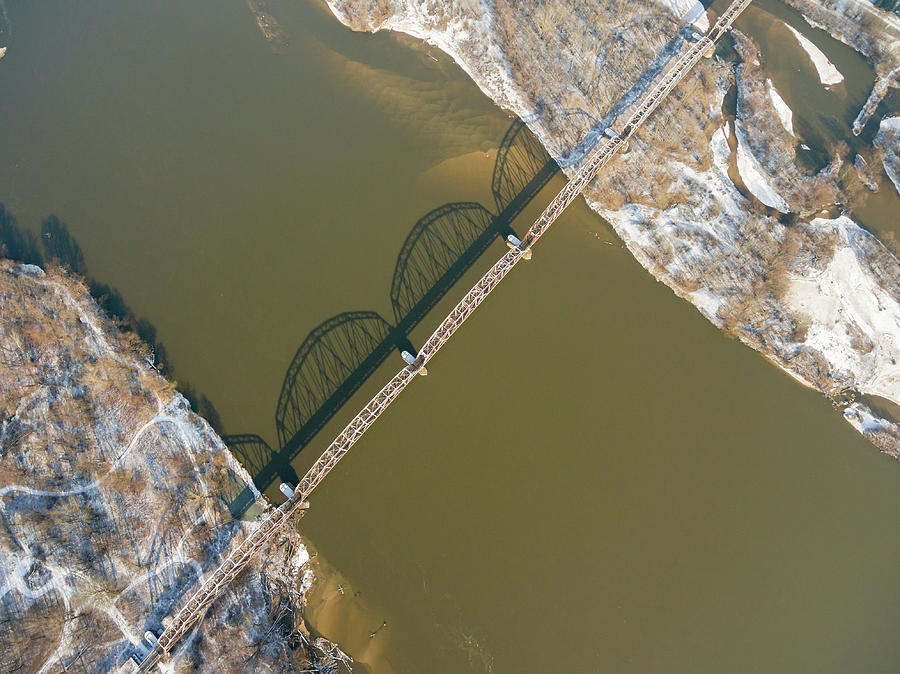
(591, 478)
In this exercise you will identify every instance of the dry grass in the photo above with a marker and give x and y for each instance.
(30, 637)
(771, 144)
(133, 509)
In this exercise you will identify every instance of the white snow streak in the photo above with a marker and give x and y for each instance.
(784, 112)
(888, 141)
(828, 74)
(754, 176)
(691, 11)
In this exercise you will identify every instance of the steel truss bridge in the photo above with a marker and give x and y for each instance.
(341, 353)
(195, 607)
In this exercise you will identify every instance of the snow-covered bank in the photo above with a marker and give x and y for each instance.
(115, 500)
(888, 143)
(828, 74)
(854, 322)
(671, 199)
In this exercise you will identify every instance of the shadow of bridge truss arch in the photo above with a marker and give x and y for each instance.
(439, 249)
(520, 158)
(341, 353)
(330, 356)
(251, 450)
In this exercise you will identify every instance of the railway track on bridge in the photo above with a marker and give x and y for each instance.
(197, 604)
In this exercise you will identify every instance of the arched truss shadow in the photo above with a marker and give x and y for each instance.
(328, 368)
(440, 248)
(341, 353)
(256, 457)
(520, 158)
(322, 365)
(251, 450)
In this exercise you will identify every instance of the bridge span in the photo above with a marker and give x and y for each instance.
(193, 610)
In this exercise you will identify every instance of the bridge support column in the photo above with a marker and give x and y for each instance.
(512, 241)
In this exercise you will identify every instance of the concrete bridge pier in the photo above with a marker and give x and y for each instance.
(513, 242)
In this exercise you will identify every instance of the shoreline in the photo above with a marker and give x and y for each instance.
(497, 81)
(338, 612)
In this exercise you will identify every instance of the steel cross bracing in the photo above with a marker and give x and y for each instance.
(237, 560)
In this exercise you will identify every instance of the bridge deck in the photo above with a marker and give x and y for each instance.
(192, 611)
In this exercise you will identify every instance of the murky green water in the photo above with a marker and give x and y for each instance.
(591, 478)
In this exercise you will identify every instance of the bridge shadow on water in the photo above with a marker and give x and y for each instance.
(339, 355)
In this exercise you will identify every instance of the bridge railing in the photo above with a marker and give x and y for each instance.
(195, 607)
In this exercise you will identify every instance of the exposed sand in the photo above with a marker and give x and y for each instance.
(335, 611)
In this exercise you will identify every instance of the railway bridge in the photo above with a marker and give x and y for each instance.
(192, 611)
(341, 353)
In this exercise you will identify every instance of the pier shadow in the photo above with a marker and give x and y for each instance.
(339, 355)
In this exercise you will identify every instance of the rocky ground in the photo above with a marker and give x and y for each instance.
(114, 500)
(710, 198)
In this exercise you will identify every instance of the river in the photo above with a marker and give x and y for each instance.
(591, 478)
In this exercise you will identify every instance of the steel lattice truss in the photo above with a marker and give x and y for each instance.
(195, 607)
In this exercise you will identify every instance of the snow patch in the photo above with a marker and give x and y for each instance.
(784, 112)
(754, 176)
(708, 303)
(302, 556)
(690, 11)
(32, 269)
(721, 150)
(883, 433)
(863, 420)
(854, 322)
(306, 580)
(828, 74)
(888, 141)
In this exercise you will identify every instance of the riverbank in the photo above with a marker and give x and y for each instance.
(116, 499)
(587, 453)
(671, 199)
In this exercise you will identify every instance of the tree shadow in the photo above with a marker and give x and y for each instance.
(16, 243)
(60, 248)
